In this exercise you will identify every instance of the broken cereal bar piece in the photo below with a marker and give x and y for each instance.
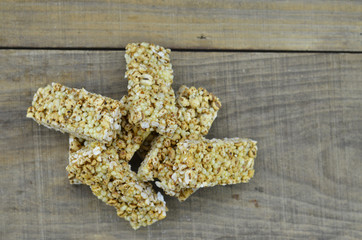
(76, 111)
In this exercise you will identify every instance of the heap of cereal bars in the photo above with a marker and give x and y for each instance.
(168, 131)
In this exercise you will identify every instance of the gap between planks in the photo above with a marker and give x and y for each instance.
(182, 50)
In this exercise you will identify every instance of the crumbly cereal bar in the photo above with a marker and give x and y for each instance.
(131, 136)
(206, 163)
(76, 111)
(197, 109)
(161, 159)
(127, 141)
(150, 95)
(112, 180)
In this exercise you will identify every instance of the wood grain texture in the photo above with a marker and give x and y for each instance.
(305, 111)
(317, 25)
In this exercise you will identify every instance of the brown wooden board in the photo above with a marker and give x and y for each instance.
(312, 25)
(305, 111)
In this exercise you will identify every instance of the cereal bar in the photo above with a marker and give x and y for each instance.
(76, 111)
(131, 136)
(206, 163)
(112, 180)
(151, 99)
(126, 142)
(197, 109)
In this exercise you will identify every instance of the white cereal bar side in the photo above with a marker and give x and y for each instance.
(206, 163)
(76, 111)
(112, 180)
(150, 95)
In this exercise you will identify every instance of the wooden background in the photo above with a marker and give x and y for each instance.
(304, 109)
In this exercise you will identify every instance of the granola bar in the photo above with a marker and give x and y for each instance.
(206, 163)
(112, 180)
(76, 111)
(197, 109)
(150, 95)
(126, 142)
(131, 136)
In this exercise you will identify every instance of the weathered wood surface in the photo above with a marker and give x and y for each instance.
(233, 24)
(305, 110)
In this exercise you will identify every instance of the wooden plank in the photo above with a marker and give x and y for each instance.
(303, 109)
(312, 25)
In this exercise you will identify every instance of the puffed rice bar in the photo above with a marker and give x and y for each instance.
(206, 163)
(76, 111)
(127, 141)
(150, 95)
(112, 180)
(131, 136)
(197, 109)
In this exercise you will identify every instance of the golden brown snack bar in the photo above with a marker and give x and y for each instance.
(206, 163)
(131, 136)
(197, 109)
(112, 180)
(127, 141)
(151, 99)
(76, 111)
